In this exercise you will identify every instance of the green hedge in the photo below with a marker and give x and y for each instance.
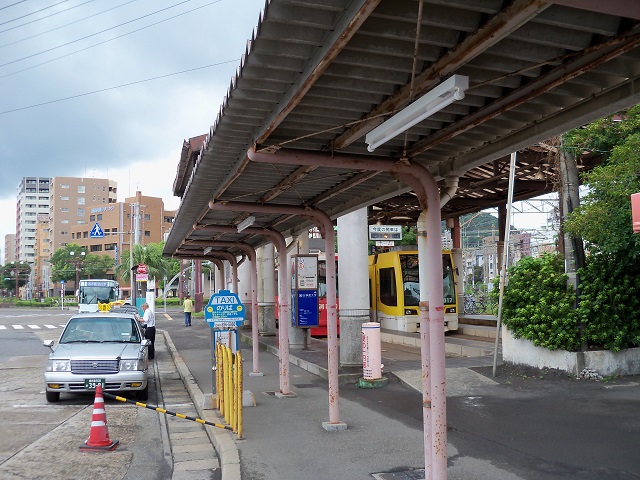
(537, 304)
(610, 302)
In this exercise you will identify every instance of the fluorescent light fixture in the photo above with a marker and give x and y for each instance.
(207, 251)
(431, 102)
(246, 223)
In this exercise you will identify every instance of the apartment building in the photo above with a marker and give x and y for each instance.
(118, 221)
(71, 199)
(41, 269)
(10, 248)
(32, 199)
(488, 258)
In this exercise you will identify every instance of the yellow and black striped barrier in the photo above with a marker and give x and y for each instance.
(229, 386)
(162, 410)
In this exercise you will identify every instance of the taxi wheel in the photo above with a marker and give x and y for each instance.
(52, 396)
(143, 394)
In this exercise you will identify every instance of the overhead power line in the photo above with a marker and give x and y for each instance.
(43, 18)
(109, 40)
(13, 4)
(117, 86)
(33, 13)
(93, 34)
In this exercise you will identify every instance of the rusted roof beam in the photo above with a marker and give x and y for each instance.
(584, 61)
(498, 27)
(343, 33)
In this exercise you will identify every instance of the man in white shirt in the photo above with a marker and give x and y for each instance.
(149, 319)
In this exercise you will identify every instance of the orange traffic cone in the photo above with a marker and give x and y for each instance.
(99, 435)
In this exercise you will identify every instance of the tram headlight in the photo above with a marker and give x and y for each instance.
(450, 310)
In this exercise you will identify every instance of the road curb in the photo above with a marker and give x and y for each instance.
(222, 440)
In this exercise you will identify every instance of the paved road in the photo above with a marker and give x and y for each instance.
(524, 425)
(40, 440)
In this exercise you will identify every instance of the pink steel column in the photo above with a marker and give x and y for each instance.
(325, 224)
(251, 253)
(283, 296)
(233, 261)
(422, 182)
(220, 273)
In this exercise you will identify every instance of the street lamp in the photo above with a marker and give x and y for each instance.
(77, 261)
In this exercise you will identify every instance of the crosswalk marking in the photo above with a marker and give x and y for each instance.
(32, 327)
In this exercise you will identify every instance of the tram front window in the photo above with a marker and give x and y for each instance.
(411, 280)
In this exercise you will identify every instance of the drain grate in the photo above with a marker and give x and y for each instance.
(269, 394)
(415, 474)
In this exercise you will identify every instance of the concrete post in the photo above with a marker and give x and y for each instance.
(266, 291)
(353, 278)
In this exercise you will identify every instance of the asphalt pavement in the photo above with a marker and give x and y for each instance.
(524, 424)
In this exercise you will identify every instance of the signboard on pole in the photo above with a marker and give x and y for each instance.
(304, 291)
(385, 232)
(225, 313)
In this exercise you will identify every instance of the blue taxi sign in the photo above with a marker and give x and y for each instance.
(225, 310)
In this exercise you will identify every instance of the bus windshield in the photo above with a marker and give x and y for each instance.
(92, 292)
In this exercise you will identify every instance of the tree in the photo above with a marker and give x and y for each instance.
(475, 227)
(603, 219)
(603, 135)
(12, 272)
(151, 255)
(609, 307)
(63, 264)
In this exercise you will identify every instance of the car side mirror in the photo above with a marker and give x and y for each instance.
(49, 344)
(144, 344)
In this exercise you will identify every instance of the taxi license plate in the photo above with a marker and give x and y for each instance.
(92, 383)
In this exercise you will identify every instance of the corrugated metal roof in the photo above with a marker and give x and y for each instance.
(319, 74)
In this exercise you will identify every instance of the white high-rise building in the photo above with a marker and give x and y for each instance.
(34, 197)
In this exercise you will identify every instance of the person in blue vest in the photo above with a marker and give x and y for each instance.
(188, 308)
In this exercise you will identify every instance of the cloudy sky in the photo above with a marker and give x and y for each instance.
(111, 88)
(80, 93)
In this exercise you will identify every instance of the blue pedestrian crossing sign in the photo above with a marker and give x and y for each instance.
(225, 310)
(96, 231)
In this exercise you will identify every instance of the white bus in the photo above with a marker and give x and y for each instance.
(90, 292)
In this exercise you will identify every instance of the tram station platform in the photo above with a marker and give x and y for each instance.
(523, 424)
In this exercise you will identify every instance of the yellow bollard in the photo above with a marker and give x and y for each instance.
(228, 385)
(228, 382)
(221, 359)
(234, 425)
(218, 382)
(239, 390)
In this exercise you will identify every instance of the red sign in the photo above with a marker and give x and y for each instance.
(142, 268)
